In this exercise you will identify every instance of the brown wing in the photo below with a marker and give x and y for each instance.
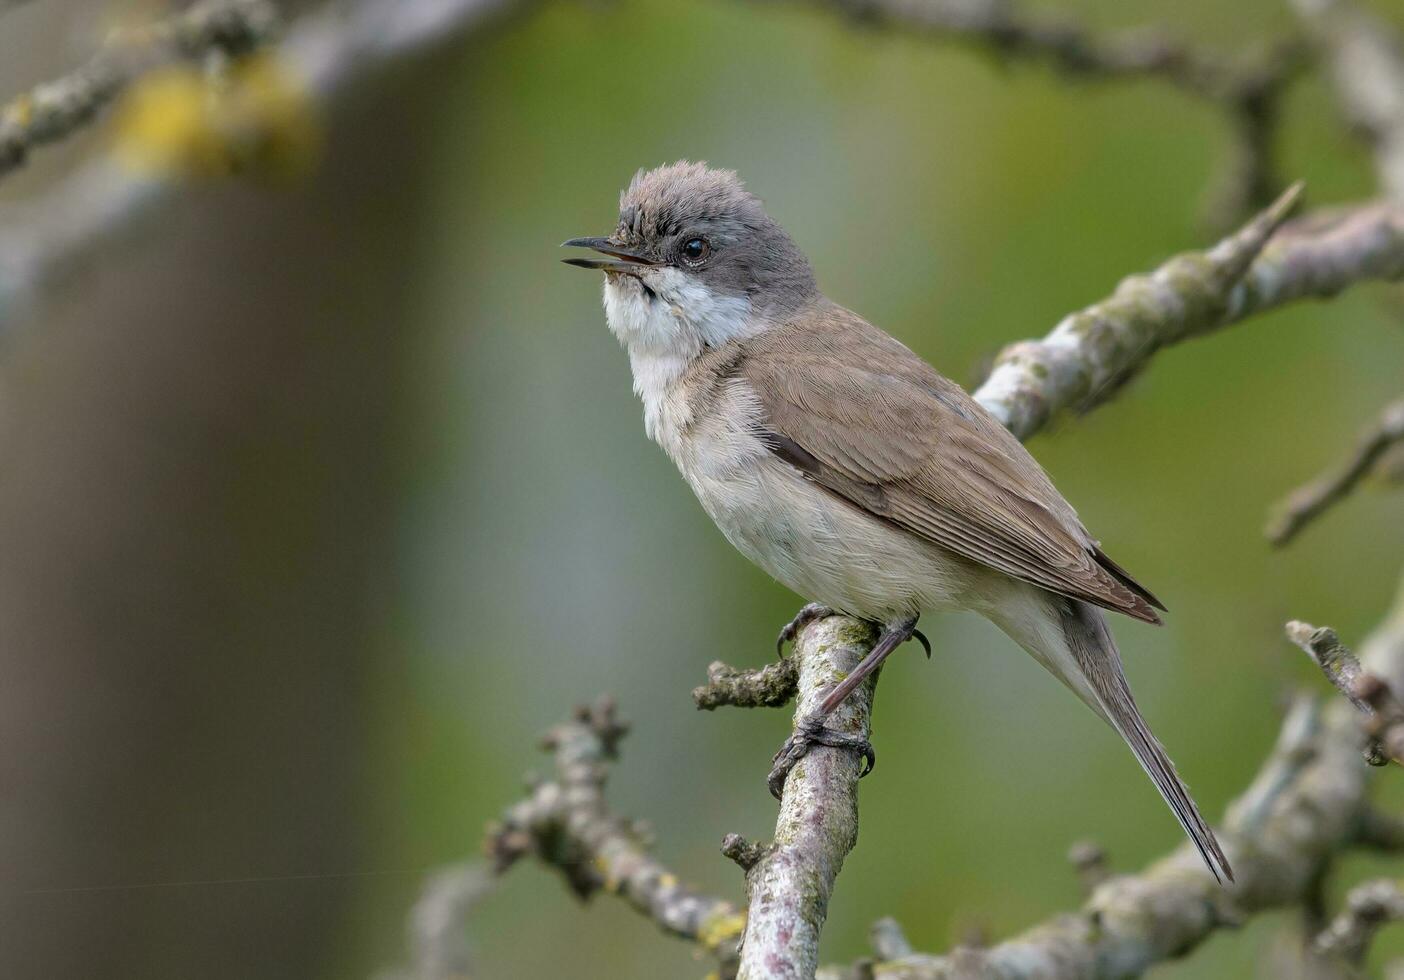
(868, 420)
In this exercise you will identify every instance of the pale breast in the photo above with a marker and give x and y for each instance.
(810, 540)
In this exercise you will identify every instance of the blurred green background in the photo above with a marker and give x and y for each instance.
(323, 502)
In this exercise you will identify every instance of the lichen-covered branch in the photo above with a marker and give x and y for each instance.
(1366, 59)
(771, 686)
(788, 882)
(1091, 352)
(1307, 803)
(56, 109)
(567, 824)
(1308, 502)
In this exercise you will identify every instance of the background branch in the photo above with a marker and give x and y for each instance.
(58, 108)
(1246, 88)
(1310, 501)
(106, 198)
(1366, 58)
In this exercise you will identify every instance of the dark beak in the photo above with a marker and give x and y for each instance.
(623, 259)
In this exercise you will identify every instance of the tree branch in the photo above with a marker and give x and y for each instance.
(56, 109)
(439, 947)
(1366, 58)
(1310, 501)
(1247, 88)
(50, 238)
(1307, 803)
(789, 884)
(1368, 907)
(567, 824)
(771, 686)
(1371, 696)
(1092, 352)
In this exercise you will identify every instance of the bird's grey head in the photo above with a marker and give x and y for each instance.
(694, 262)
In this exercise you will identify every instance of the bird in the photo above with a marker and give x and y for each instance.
(845, 466)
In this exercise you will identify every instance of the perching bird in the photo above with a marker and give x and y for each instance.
(845, 466)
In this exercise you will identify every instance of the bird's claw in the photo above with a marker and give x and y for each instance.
(812, 612)
(920, 637)
(811, 732)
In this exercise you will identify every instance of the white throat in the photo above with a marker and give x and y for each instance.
(665, 331)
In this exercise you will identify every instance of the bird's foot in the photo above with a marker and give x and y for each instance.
(811, 613)
(810, 732)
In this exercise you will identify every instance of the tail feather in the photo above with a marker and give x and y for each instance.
(1099, 662)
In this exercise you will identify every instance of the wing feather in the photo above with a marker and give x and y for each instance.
(864, 417)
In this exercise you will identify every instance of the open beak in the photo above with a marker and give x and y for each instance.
(622, 259)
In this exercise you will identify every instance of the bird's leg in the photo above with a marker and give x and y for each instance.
(811, 613)
(811, 731)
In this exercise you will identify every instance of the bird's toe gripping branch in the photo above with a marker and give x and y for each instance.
(809, 732)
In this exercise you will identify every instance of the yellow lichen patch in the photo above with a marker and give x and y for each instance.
(666, 880)
(250, 120)
(722, 927)
(609, 880)
(20, 111)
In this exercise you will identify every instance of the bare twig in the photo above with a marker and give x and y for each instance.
(1333, 657)
(56, 109)
(1090, 862)
(771, 686)
(1366, 57)
(1368, 907)
(1308, 502)
(567, 823)
(788, 886)
(1371, 696)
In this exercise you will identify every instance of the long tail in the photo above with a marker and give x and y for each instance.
(1106, 690)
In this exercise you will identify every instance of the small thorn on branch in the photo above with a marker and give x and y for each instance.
(1089, 860)
(771, 686)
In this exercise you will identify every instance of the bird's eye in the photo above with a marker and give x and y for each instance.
(694, 250)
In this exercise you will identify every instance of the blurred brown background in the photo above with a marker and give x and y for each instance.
(318, 501)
